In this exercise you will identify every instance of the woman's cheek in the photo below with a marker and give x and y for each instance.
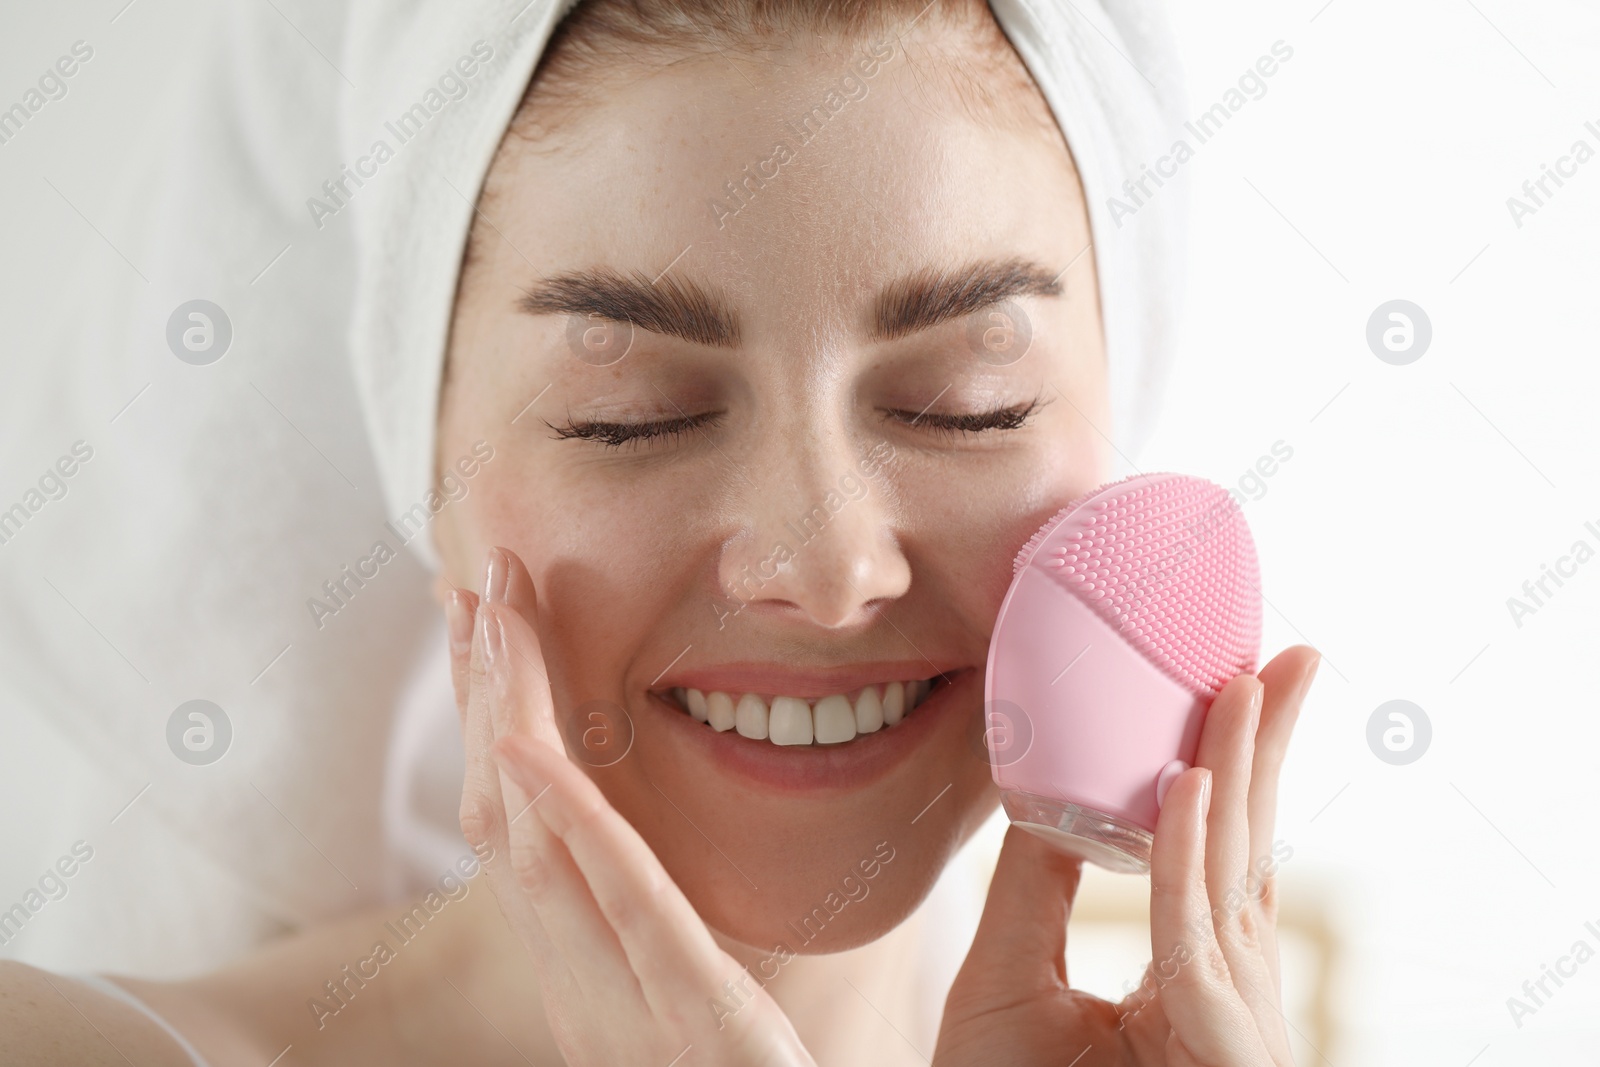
(969, 513)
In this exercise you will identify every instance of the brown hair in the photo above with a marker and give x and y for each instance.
(601, 39)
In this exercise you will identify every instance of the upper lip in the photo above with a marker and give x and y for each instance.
(774, 679)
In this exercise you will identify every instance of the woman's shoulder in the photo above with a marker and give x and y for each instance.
(412, 982)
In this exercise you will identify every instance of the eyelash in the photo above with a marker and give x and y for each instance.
(962, 423)
(617, 434)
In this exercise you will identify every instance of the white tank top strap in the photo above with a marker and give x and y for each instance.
(116, 992)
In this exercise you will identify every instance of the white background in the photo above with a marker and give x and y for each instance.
(1418, 498)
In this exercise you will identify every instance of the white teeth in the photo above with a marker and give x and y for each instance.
(787, 720)
(750, 717)
(834, 719)
(719, 711)
(791, 721)
(894, 703)
(869, 711)
(697, 704)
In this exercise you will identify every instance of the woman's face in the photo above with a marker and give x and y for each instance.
(861, 370)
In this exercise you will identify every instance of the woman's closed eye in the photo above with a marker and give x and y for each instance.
(944, 423)
(617, 434)
(961, 423)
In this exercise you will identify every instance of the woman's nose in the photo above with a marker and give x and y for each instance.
(825, 549)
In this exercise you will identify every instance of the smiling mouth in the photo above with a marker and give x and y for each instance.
(787, 720)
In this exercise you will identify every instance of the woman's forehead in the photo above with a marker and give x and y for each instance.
(904, 97)
(747, 185)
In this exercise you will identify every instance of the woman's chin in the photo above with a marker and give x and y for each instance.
(797, 912)
(832, 924)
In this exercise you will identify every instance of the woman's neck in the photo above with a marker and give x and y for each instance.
(871, 1004)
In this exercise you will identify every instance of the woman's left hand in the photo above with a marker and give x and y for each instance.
(1210, 995)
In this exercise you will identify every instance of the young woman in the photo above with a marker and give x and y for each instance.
(758, 472)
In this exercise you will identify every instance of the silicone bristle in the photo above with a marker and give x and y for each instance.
(1025, 553)
(1168, 561)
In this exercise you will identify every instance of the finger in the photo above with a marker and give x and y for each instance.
(482, 810)
(521, 699)
(509, 589)
(516, 690)
(485, 824)
(1197, 993)
(507, 581)
(1286, 679)
(460, 608)
(668, 947)
(1227, 749)
(546, 870)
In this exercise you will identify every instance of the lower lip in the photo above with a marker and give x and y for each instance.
(817, 768)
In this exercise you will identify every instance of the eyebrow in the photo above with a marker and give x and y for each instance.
(680, 308)
(930, 297)
(666, 305)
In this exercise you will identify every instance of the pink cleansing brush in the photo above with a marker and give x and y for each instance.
(1128, 612)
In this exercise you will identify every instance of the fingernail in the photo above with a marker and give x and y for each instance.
(1311, 675)
(458, 620)
(1205, 791)
(495, 573)
(493, 639)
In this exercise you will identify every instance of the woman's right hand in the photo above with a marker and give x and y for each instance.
(627, 969)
